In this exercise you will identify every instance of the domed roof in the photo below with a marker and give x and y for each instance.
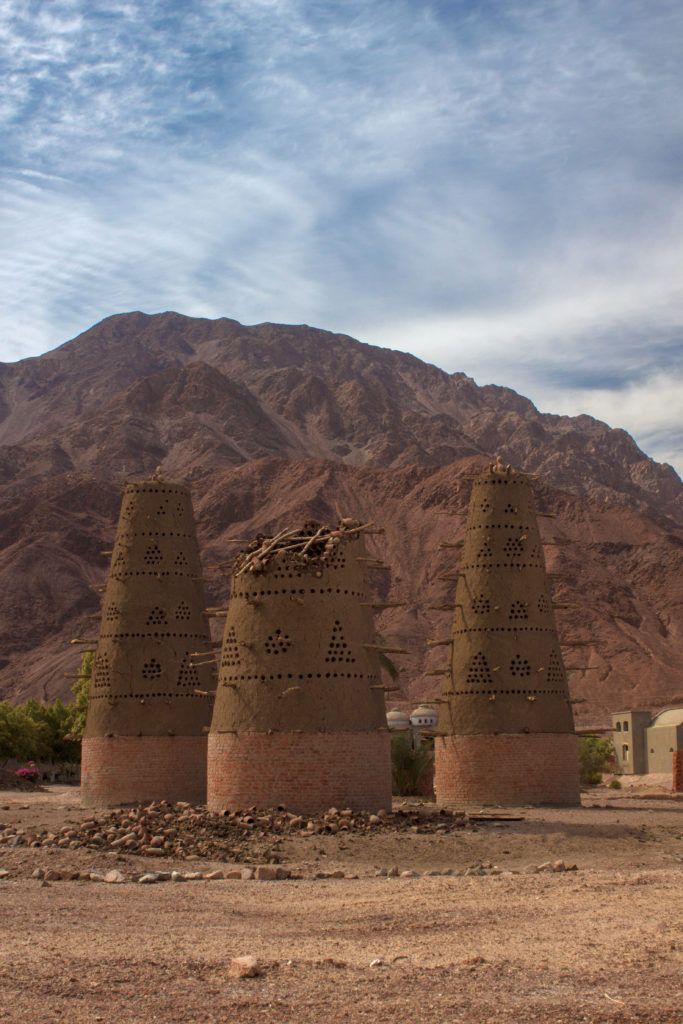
(424, 711)
(397, 719)
(672, 717)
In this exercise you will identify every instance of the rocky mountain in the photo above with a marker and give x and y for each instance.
(273, 423)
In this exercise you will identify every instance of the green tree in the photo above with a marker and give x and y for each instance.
(55, 725)
(21, 738)
(593, 755)
(81, 691)
(409, 765)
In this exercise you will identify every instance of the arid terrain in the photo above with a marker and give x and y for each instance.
(272, 425)
(485, 937)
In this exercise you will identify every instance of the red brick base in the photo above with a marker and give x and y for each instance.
(536, 768)
(136, 769)
(304, 772)
(677, 781)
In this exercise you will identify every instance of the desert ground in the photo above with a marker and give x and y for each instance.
(486, 937)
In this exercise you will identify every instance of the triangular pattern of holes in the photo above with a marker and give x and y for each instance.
(543, 604)
(519, 666)
(152, 555)
(182, 612)
(277, 643)
(151, 669)
(157, 617)
(181, 562)
(555, 672)
(481, 605)
(100, 675)
(188, 675)
(112, 613)
(485, 551)
(338, 650)
(514, 547)
(518, 610)
(231, 651)
(479, 672)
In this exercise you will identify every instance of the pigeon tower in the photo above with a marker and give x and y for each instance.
(506, 732)
(299, 717)
(150, 704)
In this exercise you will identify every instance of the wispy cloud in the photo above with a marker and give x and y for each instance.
(495, 187)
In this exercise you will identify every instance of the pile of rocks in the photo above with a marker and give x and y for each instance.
(263, 873)
(181, 831)
(478, 869)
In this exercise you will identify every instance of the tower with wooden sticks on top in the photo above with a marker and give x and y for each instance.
(506, 731)
(299, 717)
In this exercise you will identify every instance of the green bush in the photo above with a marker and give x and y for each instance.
(615, 784)
(593, 755)
(21, 737)
(408, 766)
(47, 732)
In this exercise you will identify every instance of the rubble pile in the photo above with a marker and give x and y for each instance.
(182, 831)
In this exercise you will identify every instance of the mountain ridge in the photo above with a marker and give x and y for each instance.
(244, 413)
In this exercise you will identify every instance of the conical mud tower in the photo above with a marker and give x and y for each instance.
(145, 735)
(299, 717)
(506, 733)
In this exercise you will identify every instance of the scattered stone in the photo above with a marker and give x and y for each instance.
(181, 831)
(410, 874)
(147, 879)
(393, 872)
(266, 873)
(52, 876)
(247, 874)
(37, 873)
(244, 967)
(4, 873)
(192, 876)
(177, 876)
(114, 877)
(210, 876)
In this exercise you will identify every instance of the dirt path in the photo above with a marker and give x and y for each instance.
(603, 943)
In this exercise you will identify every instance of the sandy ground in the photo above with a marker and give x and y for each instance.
(602, 943)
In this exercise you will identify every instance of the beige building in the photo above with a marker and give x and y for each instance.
(645, 745)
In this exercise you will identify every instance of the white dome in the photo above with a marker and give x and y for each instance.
(424, 715)
(397, 720)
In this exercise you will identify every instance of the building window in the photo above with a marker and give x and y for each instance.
(618, 726)
(625, 726)
(624, 751)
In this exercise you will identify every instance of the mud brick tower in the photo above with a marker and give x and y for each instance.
(299, 717)
(506, 732)
(145, 735)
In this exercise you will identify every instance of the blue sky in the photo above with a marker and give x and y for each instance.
(495, 186)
